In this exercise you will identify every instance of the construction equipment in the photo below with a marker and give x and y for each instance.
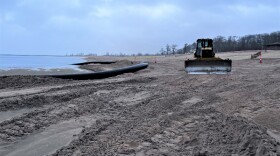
(206, 62)
(256, 55)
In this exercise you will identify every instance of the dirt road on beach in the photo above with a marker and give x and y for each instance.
(157, 111)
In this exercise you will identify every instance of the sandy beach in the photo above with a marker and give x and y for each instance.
(160, 110)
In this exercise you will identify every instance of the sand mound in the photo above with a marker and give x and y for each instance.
(103, 67)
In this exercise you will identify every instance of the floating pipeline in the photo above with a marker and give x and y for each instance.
(95, 62)
(103, 74)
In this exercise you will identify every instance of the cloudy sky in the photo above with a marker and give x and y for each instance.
(127, 26)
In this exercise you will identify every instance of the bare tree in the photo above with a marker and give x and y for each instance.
(167, 49)
(187, 48)
(162, 51)
(174, 46)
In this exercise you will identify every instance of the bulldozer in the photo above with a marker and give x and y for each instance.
(205, 61)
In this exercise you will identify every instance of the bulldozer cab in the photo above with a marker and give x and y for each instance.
(204, 48)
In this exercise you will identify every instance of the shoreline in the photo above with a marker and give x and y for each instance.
(77, 69)
(41, 71)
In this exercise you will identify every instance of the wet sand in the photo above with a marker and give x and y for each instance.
(156, 111)
(52, 71)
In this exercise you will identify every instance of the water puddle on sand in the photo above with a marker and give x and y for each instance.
(274, 134)
(51, 139)
(191, 101)
(10, 93)
(7, 115)
(132, 99)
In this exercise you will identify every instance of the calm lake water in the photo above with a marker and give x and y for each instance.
(38, 62)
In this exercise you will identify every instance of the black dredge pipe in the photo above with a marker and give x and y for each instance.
(95, 62)
(103, 74)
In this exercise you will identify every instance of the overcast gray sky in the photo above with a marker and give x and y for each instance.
(127, 26)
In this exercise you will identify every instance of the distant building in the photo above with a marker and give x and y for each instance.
(272, 46)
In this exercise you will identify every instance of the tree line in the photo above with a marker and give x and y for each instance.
(248, 42)
(220, 43)
(226, 44)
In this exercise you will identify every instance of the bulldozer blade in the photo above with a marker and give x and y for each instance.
(208, 66)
